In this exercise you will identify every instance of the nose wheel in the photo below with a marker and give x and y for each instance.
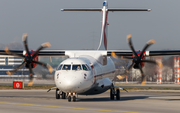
(74, 98)
(69, 98)
(73, 95)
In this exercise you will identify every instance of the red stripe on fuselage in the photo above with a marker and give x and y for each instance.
(105, 38)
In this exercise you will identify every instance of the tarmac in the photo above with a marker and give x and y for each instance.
(39, 101)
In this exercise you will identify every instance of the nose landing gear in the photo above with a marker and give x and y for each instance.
(63, 95)
(74, 98)
(73, 95)
(69, 98)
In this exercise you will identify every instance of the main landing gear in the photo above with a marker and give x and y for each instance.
(58, 94)
(113, 93)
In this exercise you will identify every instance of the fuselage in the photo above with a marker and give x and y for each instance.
(96, 69)
(84, 75)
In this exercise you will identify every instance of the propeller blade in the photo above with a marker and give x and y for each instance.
(127, 71)
(113, 54)
(138, 59)
(30, 83)
(154, 62)
(143, 80)
(24, 38)
(12, 53)
(44, 45)
(13, 71)
(120, 77)
(30, 75)
(131, 45)
(150, 42)
(126, 58)
(45, 65)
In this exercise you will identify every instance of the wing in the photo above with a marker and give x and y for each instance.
(109, 52)
(40, 53)
(146, 53)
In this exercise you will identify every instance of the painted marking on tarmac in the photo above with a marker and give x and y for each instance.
(66, 107)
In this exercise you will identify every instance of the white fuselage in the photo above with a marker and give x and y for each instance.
(97, 70)
(92, 78)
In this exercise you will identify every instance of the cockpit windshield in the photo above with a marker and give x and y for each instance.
(84, 67)
(66, 67)
(76, 67)
(59, 68)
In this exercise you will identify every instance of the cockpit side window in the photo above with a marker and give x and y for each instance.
(85, 67)
(76, 67)
(66, 67)
(88, 67)
(59, 68)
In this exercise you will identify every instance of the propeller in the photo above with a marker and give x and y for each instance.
(29, 59)
(137, 59)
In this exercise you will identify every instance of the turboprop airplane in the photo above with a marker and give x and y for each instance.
(88, 72)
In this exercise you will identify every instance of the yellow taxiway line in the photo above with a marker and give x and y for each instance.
(65, 107)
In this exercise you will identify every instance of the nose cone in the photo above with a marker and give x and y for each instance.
(72, 82)
(69, 84)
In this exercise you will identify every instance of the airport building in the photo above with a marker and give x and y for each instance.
(8, 63)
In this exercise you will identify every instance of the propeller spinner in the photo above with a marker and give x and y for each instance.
(29, 59)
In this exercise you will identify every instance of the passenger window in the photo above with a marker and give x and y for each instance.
(66, 67)
(76, 67)
(59, 68)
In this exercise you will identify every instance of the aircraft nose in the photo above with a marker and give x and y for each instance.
(74, 81)
(70, 83)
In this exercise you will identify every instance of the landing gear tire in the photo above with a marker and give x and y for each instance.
(117, 94)
(57, 94)
(69, 98)
(63, 95)
(74, 98)
(112, 94)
